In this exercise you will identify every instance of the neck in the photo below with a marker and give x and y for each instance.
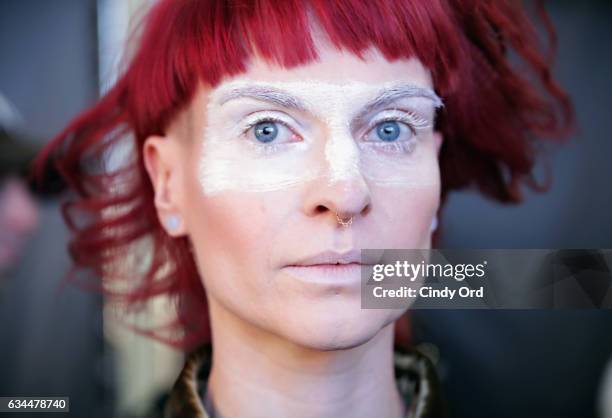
(255, 373)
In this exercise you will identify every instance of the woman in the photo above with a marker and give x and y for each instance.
(271, 141)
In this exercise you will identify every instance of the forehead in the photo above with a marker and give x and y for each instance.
(323, 98)
(334, 67)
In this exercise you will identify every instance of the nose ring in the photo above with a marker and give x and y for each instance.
(344, 222)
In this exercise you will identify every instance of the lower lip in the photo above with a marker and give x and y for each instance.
(328, 273)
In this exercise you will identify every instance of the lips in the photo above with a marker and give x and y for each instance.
(329, 268)
(329, 259)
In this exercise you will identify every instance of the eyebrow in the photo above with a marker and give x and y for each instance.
(392, 94)
(284, 99)
(265, 93)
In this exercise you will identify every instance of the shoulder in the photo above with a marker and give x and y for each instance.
(418, 382)
(185, 398)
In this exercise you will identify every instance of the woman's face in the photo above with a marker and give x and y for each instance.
(261, 168)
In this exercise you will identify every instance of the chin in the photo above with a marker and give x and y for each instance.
(340, 332)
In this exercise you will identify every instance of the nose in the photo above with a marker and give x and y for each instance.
(342, 195)
(344, 199)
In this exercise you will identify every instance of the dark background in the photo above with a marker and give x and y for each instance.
(49, 346)
(545, 364)
(494, 364)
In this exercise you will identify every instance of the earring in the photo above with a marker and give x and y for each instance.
(173, 222)
(434, 223)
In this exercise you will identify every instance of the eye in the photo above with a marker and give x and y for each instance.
(390, 131)
(270, 131)
(266, 131)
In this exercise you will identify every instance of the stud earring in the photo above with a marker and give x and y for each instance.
(173, 222)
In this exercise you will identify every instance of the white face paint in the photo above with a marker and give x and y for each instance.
(266, 136)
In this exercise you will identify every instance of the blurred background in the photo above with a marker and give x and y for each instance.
(55, 60)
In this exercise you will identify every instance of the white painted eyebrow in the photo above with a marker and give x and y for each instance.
(391, 94)
(264, 93)
(282, 98)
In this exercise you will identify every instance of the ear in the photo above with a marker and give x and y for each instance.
(160, 156)
(438, 140)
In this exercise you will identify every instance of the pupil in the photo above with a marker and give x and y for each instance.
(266, 131)
(388, 131)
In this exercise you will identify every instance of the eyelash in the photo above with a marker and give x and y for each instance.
(271, 147)
(413, 121)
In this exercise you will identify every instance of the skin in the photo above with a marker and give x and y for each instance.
(293, 339)
(297, 155)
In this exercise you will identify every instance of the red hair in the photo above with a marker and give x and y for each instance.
(495, 108)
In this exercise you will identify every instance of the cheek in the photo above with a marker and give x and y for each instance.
(228, 231)
(405, 215)
(232, 234)
(409, 208)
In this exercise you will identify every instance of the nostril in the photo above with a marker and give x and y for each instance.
(321, 209)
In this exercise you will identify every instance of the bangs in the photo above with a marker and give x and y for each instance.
(282, 32)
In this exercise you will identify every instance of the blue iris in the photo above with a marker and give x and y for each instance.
(266, 131)
(388, 131)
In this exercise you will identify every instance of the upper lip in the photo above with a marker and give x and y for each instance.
(330, 257)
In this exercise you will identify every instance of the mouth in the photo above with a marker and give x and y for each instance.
(329, 267)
